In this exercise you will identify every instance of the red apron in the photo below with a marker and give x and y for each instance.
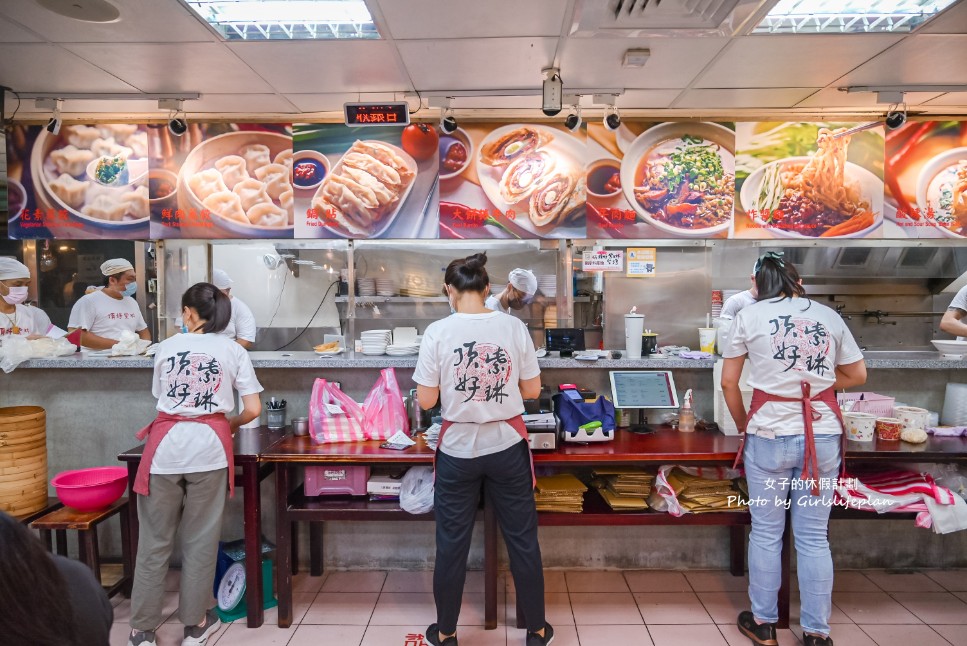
(810, 469)
(158, 429)
(516, 422)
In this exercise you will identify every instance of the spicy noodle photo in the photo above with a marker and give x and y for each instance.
(808, 180)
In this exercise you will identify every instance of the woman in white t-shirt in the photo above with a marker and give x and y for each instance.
(799, 353)
(481, 365)
(17, 318)
(188, 463)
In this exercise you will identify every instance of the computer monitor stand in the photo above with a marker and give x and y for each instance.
(640, 424)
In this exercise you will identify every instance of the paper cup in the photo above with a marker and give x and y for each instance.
(860, 427)
(706, 339)
(888, 429)
(912, 416)
(634, 327)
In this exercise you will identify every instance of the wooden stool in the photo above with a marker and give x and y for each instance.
(53, 503)
(85, 523)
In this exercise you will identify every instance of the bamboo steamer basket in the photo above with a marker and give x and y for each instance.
(23, 460)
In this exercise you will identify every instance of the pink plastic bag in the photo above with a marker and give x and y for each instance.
(384, 410)
(333, 415)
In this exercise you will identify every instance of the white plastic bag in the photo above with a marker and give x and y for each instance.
(416, 490)
(17, 349)
(129, 345)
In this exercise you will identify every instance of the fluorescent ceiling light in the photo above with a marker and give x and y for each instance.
(287, 19)
(848, 16)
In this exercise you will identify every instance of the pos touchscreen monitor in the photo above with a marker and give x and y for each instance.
(643, 389)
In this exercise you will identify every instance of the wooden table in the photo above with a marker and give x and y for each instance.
(249, 473)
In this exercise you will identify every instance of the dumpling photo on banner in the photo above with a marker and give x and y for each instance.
(801, 180)
(513, 181)
(222, 180)
(926, 180)
(660, 180)
(366, 181)
(87, 181)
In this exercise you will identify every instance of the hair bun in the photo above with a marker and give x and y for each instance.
(476, 261)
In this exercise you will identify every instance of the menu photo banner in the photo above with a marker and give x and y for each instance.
(89, 181)
(366, 182)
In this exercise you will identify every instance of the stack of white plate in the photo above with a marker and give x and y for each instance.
(367, 287)
(547, 283)
(403, 350)
(375, 341)
(385, 287)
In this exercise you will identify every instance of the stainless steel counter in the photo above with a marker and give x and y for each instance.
(308, 360)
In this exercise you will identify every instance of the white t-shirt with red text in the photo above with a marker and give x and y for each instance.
(105, 316)
(789, 341)
(28, 319)
(477, 361)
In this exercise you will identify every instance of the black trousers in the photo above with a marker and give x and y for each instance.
(507, 485)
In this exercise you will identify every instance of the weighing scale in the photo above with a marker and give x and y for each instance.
(230, 584)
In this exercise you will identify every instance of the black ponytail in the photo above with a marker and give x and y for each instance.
(468, 274)
(211, 304)
(776, 278)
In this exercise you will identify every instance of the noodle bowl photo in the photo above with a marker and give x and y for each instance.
(942, 192)
(817, 196)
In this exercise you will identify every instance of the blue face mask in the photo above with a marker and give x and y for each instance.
(184, 329)
(131, 289)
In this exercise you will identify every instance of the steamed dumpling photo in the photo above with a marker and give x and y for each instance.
(71, 192)
(251, 192)
(206, 182)
(82, 136)
(105, 207)
(267, 215)
(137, 202)
(275, 177)
(226, 204)
(233, 169)
(255, 156)
(71, 160)
(284, 158)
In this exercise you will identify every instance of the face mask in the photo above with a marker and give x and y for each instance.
(16, 296)
(527, 300)
(130, 289)
(453, 310)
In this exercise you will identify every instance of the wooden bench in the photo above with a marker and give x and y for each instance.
(53, 503)
(85, 524)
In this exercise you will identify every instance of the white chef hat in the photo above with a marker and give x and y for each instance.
(116, 266)
(12, 269)
(221, 279)
(524, 280)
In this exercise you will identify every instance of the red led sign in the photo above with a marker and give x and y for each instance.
(377, 114)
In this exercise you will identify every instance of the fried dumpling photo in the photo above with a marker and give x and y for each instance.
(137, 202)
(329, 213)
(525, 174)
(557, 197)
(251, 192)
(385, 155)
(267, 215)
(233, 169)
(365, 195)
(275, 177)
(385, 174)
(81, 136)
(71, 192)
(351, 205)
(513, 144)
(105, 207)
(255, 156)
(206, 182)
(226, 204)
(71, 160)
(384, 195)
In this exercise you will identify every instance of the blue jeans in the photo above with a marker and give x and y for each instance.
(773, 468)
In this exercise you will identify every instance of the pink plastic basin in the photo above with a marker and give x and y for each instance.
(91, 489)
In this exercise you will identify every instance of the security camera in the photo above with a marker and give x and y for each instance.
(553, 92)
(53, 125)
(178, 126)
(448, 123)
(895, 119)
(612, 120)
(573, 121)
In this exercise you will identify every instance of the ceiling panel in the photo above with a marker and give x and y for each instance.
(186, 67)
(308, 67)
(428, 19)
(48, 68)
(951, 21)
(926, 58)
(674, 62)
(240, 103)
(633, 99)
(832, 98)
(952, 99)
(141, 21)
(780, 61)
(477, 63)
(750, 98)
(14, 33)
(333, 102)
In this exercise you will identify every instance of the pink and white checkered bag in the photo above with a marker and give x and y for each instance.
(384, 411)
(333, 415)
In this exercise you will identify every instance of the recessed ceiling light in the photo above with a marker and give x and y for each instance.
(848, 16)
(287, 19)
(85, 10)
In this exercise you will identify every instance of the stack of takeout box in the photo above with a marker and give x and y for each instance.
(625, 488)
(699, 495)
(560, 493)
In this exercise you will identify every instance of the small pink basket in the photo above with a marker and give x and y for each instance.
(872, 403)
(91, 489)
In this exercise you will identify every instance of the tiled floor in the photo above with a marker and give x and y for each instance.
(592, 608)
